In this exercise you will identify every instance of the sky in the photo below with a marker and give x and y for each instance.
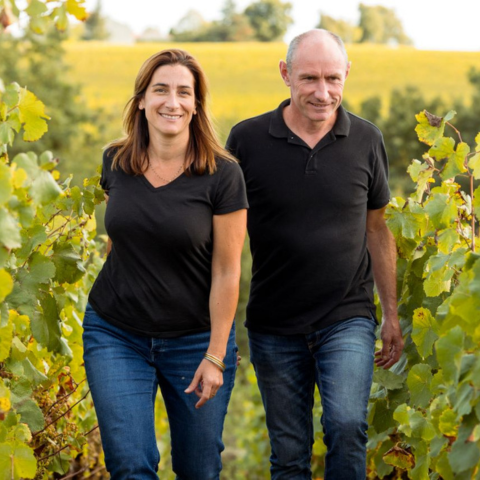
(432, 24)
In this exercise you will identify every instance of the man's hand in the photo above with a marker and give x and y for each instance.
(391, 351)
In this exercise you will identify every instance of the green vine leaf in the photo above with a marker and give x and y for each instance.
(449, 353)
(418, 381)
(456, 162)
(30, 414)
(9, 230)
(464, 456)
(474, 161)
(36, 8)
(441, 210)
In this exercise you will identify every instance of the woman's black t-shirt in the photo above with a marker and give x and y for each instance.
(156, 279)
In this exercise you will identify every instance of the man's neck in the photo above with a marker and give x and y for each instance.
(309, 131)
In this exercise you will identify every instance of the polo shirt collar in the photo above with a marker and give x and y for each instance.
(278, 127)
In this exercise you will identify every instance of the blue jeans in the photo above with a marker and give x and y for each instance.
(339, 359)
(124, 372)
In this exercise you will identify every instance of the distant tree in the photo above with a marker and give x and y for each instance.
(347, 31)
(190, 28)
(380, 24)
(236, 25)
(269, 19)
(469, 113)
(95, 28)
(150, 34)
(232, 27)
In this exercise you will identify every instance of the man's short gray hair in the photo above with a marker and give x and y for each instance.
(292, 48)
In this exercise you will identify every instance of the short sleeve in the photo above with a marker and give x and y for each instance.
(106, 169)
(230, 194)
(379, 192)
(232, 144)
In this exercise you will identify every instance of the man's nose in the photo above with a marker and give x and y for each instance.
(321, 90)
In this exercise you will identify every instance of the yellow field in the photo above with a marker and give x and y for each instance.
(244, 77)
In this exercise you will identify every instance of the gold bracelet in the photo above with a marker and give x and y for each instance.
(215, 360)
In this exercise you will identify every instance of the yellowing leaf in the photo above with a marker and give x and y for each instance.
(77, 9)
(448, 423)
(398, 457)
(19, 177)
(17, 461)
(442, 148)
(438, 282)
(61, 19)
(423, 333)
(447, 239)
(39, 24)
(5, 403)
(32, 116)
(5, 183)
(6, 335)
(425, 131)
(6, 284)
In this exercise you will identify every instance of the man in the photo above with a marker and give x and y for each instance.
(316, 180)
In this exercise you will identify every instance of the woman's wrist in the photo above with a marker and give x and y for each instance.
(215, 360)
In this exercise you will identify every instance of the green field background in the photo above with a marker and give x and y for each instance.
(245, 81)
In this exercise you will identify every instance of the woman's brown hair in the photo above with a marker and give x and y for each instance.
(203, 146)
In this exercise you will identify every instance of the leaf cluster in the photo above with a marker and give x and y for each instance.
(48, 261)
(425, 411)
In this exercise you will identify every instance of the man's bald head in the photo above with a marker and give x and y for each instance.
(319, 35)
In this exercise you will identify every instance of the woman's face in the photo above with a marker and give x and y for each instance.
(169, 102)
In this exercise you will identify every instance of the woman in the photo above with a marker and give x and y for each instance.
(160, 313)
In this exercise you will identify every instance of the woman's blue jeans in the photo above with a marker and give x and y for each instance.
(124, 372)
(339, 359)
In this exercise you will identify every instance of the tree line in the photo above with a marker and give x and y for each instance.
(268, 21)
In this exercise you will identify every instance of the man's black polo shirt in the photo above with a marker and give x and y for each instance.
(307, 220)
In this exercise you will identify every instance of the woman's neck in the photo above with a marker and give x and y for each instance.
(167, 149)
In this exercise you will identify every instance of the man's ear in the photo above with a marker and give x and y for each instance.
(349, 64)
(284, 72)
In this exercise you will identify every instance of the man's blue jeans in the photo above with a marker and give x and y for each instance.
(339, 359)
(124, 372)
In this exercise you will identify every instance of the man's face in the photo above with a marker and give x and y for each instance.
(316, 80)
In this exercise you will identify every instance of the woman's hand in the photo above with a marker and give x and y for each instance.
(206, 382)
